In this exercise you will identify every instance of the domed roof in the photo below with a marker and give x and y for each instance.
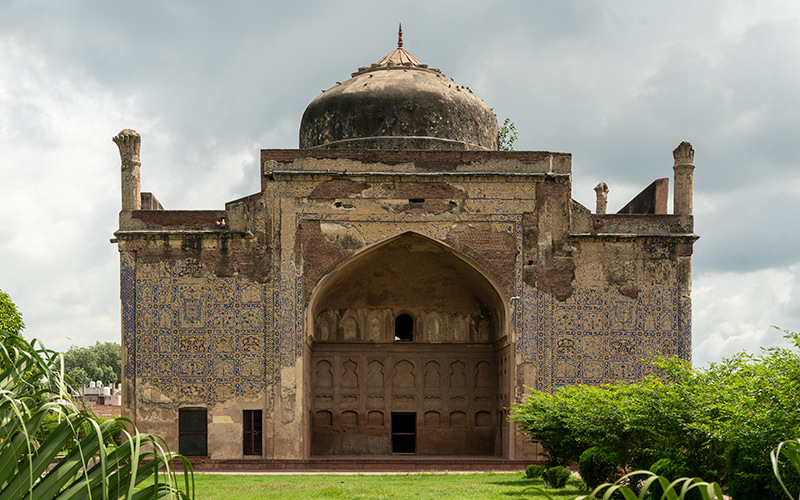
(398, 103)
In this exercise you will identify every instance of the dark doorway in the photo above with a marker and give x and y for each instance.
(193, 432)
(252, 432)
(404, 432)
(404, 328)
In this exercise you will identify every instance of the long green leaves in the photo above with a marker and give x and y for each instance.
(790, 450)
(642, 484)
(51, 450)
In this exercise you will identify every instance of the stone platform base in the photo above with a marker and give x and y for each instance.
(361, 464)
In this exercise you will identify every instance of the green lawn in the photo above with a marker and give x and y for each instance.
(489, 485)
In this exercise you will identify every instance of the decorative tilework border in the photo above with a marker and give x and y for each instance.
(127, 295)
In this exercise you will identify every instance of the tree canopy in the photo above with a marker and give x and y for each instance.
(101, 361)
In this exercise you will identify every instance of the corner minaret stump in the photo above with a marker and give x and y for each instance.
(129, 142)
(684, 176)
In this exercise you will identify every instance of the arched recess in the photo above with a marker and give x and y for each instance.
(460, 316)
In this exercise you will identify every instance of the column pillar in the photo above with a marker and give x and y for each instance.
(684, 178)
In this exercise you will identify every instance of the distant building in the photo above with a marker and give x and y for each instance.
(394, 285)
(103, 400)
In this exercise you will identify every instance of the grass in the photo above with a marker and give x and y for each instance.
(488, 485)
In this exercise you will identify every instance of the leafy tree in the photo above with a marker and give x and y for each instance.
(11, 324)
(99, 362)
(507, 135)
(38, 422)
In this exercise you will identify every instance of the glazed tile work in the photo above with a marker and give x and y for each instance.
(198, 340)
(598, 335)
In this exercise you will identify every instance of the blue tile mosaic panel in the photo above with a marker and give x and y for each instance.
(198, 340)
(598, 335)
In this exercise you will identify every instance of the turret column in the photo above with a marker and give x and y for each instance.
(684, 178)
(128, 141)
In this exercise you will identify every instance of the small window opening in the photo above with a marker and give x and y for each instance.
(403, 328)
(252, 432)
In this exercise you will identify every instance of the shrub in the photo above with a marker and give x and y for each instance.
(673, 468)
(556, 476)
(598, 466)
(669, 467)
(717, 422)
(750, 474)
(533, 471)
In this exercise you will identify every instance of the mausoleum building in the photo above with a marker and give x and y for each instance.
(393, 286)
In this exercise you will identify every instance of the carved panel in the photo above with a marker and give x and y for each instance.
(349, 327)
(375, 326)
(349, 418)
(458, 378)
(460, 329)
(403, 376)
(433, 401)
(458, 418)
(323, 374)
(349, 374)
(433, 377)
(483, 419)
(433, 327)
(433, 419)
(483, 375)
(323, 417)
(375, 401)
(375, 375)
(375, 418)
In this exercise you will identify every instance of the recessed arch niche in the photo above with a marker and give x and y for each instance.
(457, 317)
(408, 275)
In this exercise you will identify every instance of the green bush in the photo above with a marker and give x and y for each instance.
(533, 471)
(743, 404)
(598, 466)
(673, 468)
(556, 476)
(750, 474)
(668, 467)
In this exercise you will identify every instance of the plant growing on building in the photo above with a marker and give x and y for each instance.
(507, 135)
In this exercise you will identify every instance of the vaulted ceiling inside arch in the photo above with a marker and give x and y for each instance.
(411, 273)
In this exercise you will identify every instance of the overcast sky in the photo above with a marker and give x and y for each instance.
(619, 84)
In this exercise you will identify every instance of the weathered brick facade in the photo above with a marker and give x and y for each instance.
(371, 302)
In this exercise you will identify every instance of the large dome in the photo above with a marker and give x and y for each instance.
(398, 103)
